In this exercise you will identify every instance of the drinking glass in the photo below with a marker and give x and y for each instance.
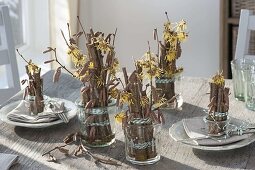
(249, 88)
(239, 69)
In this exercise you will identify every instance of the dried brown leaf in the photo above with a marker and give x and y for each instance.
(155, 34)
(49, 61)
(84, 89)
(69, 138)
(23, 81)
(25, 93)
(63, 150)
(52, 159)
(57, 75)
(78, 34)
(92, 133)
(72, 41)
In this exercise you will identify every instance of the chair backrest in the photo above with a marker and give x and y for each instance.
(246, 24)
(8, 56)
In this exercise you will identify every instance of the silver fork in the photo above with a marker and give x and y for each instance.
(63, 117)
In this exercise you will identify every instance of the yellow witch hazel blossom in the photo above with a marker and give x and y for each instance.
(114, 93)
(159, 103)
(149, 65)
(32, 68)
(114, 67)
(77, 57)
(119, 117)
(102, 45)
(181, 26)
(126, 97)
(91, 65)
(171, 56)
(144, 101)
(173, 34)
(218, 79)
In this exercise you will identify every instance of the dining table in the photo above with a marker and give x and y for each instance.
(30, 143)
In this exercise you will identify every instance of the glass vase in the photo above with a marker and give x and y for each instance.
(96, 125)
(170, 88)
(142, 142)
(218, 125)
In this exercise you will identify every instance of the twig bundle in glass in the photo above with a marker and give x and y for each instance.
(168, 52)
(96, 71)
(219, 105)
(35, 87)
(141, 117)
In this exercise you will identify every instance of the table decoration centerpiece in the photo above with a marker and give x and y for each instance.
(34, 89)
(168, 52)
(217, 119)
(97, 73)
(141, 122)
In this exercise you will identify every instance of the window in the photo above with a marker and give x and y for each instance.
(16, 14)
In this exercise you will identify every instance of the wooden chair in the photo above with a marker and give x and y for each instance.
(246, 24)
(8, 56)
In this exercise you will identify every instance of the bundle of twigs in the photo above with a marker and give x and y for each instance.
(96, 71)
(219, 104)
(168, 52)
(34, 88)
(139, 120)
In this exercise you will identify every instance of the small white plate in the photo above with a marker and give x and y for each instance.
(177, 132)
(6, 109)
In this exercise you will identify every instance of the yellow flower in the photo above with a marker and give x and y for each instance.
(114, 93)
(99, 81)
(102, 45)
(182, 36)
(181, 26)
(119, 117)
(77, 57)
(168, 26)
(171, 56)
(144, 101)
(32, 68)
(114, 67)
(161, 102)
(218, 79)
(91, 65)
(126, 97)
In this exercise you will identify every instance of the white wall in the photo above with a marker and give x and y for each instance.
(136, 19)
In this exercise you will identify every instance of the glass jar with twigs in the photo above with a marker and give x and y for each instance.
(169, 80)
(217, 119)
(96, 71)
(141, 121)
(33, 92)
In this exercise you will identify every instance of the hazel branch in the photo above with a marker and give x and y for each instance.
(114, 35)
(167, 17)
(83, 30)
(22, 56)
(150, 74)
(57, 147)
(65, 39)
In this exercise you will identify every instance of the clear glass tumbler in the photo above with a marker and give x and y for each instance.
(142, 143)
(240, 68)
(249, 88)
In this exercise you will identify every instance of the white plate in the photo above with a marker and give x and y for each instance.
(6, 109)
(177, 132)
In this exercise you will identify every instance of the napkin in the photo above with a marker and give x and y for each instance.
(7, 160)
(22, 114)
(195, 128)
